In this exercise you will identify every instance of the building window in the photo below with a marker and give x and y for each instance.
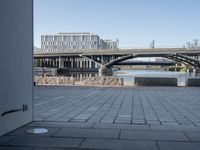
(46, 38)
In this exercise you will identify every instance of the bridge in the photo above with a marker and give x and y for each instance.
(105, 59)
(146, 63)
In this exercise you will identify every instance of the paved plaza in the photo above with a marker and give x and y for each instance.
(135, 118)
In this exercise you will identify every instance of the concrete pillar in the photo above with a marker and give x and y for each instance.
(101, 70)
(102, 60)
(87, 64)
(16, 89)
(105, 71)
(78, 63)
(81, 63)
(56, 62)
(111, 58)
(72, 63)
(60, 63)
(90, 64)
(50, 62)
(54, 72)
(40, 62)
(76, 60)
(53, 63)
(194, 71)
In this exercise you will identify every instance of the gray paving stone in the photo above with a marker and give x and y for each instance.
(154, 105)
(66, 124)
(118, 144)
(164, 145)
(153, 122)
(88, 133)
(45, 142)
(15, 148)
(33, 124)
(193, 136)
(126, 121)
(121, 126)
(173, 128)
(152, 135)
(165, 110)
(54, 149)
(6, 138)
(138, 121)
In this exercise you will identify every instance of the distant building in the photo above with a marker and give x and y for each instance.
(63, 42)
(111, 44)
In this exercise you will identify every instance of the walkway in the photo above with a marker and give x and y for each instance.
(146, 118)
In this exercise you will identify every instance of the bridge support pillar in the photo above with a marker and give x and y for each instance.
(196, 70)
(81, 63)
(104, 71)
(90, 64)
(60, 63)
(53, 63)
(72, 63)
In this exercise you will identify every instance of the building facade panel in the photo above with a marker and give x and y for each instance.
(65, 42)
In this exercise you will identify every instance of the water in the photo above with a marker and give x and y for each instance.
(128, 75)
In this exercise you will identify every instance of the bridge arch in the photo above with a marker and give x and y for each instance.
(173, 56)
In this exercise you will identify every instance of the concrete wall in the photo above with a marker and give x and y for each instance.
(16, 45)
(155, 81)
(193, 82)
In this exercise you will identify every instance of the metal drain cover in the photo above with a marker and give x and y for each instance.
(37, 131)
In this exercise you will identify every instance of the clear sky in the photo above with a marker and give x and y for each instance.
(135, 23)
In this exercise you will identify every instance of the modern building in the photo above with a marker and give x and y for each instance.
(64, 42)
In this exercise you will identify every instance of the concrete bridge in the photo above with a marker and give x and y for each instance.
(105, 59)
(145, 63)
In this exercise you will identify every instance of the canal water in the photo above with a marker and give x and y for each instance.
(128, 75)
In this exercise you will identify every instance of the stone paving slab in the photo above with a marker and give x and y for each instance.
(4, 139)
(118, 144)
(15, 148)
(193, 136)
(142, 106)
(121, 126)
(65, 124)
(165, 145)
(31, 148)
(88, 133)
(153, 135)
(174, 128)
(54, 149)
(45, 142)
(144, 118)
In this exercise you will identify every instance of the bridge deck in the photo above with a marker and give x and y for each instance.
(118, 52)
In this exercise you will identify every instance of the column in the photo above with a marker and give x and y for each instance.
(72, 63)
(90, 64)
(81, 63)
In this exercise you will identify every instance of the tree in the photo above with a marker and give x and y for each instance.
(195, 43)
(188, 45)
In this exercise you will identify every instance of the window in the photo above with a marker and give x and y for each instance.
(46, 38)
(55, 38)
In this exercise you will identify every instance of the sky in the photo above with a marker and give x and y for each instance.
(171, 23)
